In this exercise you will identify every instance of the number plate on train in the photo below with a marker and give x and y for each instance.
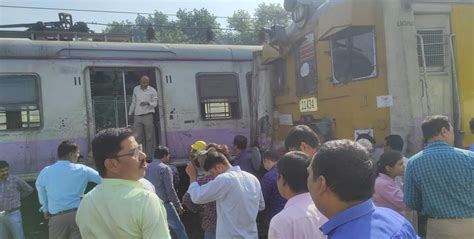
(309, 104)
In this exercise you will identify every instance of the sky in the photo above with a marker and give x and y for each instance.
(224, 8)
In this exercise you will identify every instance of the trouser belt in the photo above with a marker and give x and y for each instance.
(64, 212)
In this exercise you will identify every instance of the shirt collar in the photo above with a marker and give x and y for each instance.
(63, 161)
(348, 215)
(296, 199)
(437, 143)
(234, 168)
(117, 181)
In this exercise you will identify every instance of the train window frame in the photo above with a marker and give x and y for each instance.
(26, 108)
(205, 104)
(349, 34)
(308, 84)
(432, 68)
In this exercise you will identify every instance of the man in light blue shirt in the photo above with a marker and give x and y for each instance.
(341, 182)
(237, 194)
(60, 187)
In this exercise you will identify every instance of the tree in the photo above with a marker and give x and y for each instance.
(244, 32)
(199, 26)
(247, 28)
(271, 14)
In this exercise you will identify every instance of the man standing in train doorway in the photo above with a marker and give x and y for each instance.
(144, 101)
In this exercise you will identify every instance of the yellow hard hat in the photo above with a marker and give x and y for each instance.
(199, 145)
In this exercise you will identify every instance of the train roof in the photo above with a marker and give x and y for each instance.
(28, 49)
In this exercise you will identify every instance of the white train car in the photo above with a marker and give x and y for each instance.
(55, 91)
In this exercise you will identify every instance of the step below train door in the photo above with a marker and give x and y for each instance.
(111, 90)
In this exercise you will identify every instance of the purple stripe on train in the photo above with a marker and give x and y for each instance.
(179, 141)
(31, 156)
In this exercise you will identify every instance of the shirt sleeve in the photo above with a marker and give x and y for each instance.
(211, 191)
(266, 187)
(392, 193)
(273, 232)
(41, 188)
(154, 99)
(406, 232)
(93, 175)
(24, 188)
(261, 204)
(132, 105)
(167, 177)
(412, 196)
(154, 220)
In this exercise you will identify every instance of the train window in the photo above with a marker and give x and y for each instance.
(433, 46)
(353, 54)
(218, 95)
(306, 74)
(19, 102)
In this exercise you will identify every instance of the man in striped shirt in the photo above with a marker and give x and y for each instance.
(439, 182)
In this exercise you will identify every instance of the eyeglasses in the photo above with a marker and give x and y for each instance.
(135, 154)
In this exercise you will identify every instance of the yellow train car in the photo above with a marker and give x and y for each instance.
(378, 67)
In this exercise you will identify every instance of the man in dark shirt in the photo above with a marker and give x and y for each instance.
(274, 202)
(12, 189)
(247, 159)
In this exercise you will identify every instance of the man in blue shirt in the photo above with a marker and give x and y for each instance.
(274, 202)
(439, 182)
(341, 183)
(246, 159)
(161, 176)
(60, 187)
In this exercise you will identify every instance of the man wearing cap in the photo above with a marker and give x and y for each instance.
(144, 101)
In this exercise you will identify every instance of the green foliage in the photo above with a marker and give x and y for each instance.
(201, 27)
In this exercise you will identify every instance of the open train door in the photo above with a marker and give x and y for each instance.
(111, 90)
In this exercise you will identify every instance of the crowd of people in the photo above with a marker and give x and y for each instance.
(334, 189)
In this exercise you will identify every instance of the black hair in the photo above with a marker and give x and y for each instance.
(221, 148)
(4, 164)
(293, 168)
(300, 134)
(389, 158)
(471, 124)
(65, 148)
(432, 126)
(214, 157)
(240, 141)
(161, 152)
(395, 142)
(271, 154)
(347, 168)
(106, 145)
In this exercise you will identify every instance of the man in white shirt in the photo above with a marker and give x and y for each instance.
(300, 219)
(237, 194)
(144, 101)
